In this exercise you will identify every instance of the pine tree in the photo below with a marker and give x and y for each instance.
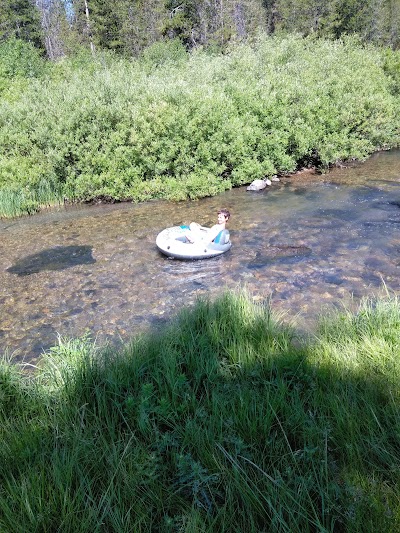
(106, 19)
(20, 19)
(205, 22)
(143, 22)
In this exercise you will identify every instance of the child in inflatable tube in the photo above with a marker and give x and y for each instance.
(198, 233)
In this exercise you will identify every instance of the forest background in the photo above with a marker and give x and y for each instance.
(58, 27)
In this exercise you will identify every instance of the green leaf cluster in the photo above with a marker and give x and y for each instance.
(19, 61)
(20, 19)
(195, 125)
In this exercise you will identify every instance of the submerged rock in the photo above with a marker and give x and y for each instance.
(259, 185)
(272, 253)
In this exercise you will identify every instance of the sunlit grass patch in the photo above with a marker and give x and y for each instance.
(26, 201)
(219, 422)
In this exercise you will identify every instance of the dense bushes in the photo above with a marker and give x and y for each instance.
(19, 60)
(196, 124)
(218, 423)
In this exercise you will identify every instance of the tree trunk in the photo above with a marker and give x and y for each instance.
(88, 28)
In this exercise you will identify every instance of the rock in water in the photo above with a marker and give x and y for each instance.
(258, 185)
(278, 252)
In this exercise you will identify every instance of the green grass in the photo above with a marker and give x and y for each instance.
(220, 422)
(16, 201)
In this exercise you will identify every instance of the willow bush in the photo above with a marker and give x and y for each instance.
(187, 126)
(19, 60)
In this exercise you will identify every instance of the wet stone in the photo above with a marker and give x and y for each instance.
(89, 292)
(75, 312)
(273, 253)
(375, 263)
(332, 279)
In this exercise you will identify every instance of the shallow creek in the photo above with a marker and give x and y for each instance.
(308, 243)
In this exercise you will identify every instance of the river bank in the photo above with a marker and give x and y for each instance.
(218, 421)
(196, 125)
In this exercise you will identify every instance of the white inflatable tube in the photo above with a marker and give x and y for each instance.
(173, 243)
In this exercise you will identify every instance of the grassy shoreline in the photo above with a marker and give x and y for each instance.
(173, 125)
(219, 422)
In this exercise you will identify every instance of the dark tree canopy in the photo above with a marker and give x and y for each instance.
(20, 19)
(130, 26)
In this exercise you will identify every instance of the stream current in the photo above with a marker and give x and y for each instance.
(307, 244)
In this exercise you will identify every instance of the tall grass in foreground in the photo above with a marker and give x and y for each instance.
(218, 423)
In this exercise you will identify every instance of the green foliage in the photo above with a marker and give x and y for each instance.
(130, 26)
(19, 60)
(106, 21)
(20, 19)
(376, 22)
(183, 18)
(15, 201)
(176, 126)
(164, 52)
(217, 423)
(391, 68)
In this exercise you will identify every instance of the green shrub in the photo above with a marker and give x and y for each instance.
(19, 60)
(173, 125)
(162, 52)
(391, 67)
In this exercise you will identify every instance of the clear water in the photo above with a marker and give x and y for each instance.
(307, 243)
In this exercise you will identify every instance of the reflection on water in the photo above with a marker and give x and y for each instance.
(306, 243)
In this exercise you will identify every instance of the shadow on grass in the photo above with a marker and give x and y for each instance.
(218, 423)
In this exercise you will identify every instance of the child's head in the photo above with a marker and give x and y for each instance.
(225, 214)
